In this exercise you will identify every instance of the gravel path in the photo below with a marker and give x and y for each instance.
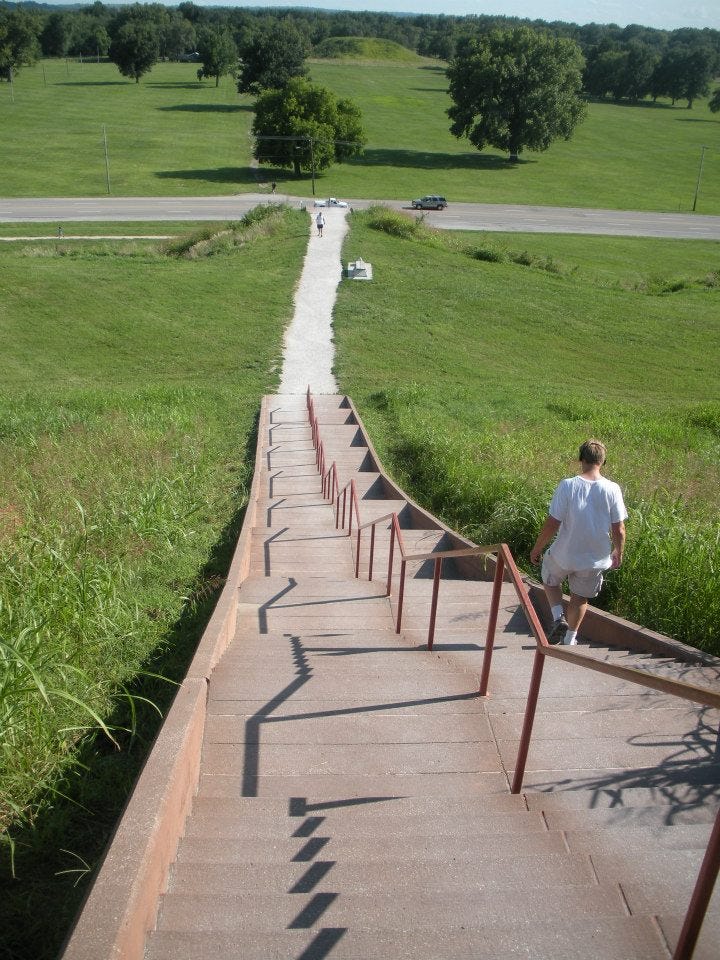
(308, 351)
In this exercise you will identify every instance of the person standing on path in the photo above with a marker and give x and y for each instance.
(587, 513)
(320, 222)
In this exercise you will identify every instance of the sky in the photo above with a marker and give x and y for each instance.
(663, 14)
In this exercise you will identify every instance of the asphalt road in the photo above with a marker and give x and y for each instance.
(458, 216)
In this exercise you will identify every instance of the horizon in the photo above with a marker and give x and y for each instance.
(657, 14)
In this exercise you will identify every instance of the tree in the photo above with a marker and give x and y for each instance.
(135, 48)
(180, 38)
(307, 126)
(602, 70)
(218, 53)
(516, 88)
(56, 35)
(685, 71)
(271, 56)
(18, 41)
(714, 102)
(634, 81)
(89, 37)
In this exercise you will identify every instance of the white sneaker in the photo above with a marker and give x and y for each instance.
(570, 643)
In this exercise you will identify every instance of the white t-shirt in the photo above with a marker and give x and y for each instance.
(585, 509)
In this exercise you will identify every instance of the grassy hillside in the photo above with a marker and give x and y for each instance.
(172, 135)
(364, 48)
(481, 363)
(131, 377)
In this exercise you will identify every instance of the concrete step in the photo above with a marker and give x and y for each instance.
(608, 938)
(623, 818)
(555, 870)
(671, 799)
(636, 840)
(378, 687)
(640, 726)
(270, 914)
(365, 759)
(372, 849)
(361, 809)
(331, 788)
(589, 752)
(285, 589)
(443, 706)
(210, 821)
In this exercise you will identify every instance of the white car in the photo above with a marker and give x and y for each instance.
(330, 202)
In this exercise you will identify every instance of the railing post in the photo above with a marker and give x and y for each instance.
(344, 505)
(390, 560)
(357, 554)
(372, 550)
(352, 502)
(532, 699)
(401, 594)
(492, 622)
(701, 896)
(433, 606)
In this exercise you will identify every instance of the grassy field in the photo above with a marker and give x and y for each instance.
(131, 377)
(479, 399)
(172, 135)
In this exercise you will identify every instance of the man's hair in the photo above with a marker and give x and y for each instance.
(592, 451)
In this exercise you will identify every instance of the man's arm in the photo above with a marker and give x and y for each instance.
(617, 535)
(548, 531)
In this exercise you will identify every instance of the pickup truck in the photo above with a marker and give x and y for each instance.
(330, 202)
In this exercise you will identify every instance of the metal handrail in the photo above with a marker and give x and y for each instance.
(504, 560)
(353, 504)
(331, 482)
(364, 526)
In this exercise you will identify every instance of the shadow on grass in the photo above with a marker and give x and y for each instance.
(38, 906)
(696, 120)
(437, 161)
(208, 108)
(94, 83)
(636, 104)
(180, 85)
(212, 175)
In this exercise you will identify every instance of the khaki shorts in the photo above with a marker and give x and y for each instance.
(583, 583)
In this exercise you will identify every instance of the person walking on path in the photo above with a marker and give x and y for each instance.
(586, 518)
(320, 222)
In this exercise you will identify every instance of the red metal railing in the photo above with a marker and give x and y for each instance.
(504, 562)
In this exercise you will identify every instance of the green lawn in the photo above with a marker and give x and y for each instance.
(479, 380)
(172, 135)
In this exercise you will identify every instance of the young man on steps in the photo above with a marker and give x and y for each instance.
(587, 513)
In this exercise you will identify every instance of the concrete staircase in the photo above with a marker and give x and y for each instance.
(353, 798)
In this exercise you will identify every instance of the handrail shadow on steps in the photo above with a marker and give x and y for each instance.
(504, 561)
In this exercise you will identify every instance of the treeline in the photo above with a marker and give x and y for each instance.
(622, 63)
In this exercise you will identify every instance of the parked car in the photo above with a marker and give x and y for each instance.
(330, 202)
(431, 202)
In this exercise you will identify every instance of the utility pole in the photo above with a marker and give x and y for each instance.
(312, 165)
(296, 139)
(697, 185)
(107, 161)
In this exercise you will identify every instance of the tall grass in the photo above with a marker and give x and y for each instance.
(499, 370)
(124, 470)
